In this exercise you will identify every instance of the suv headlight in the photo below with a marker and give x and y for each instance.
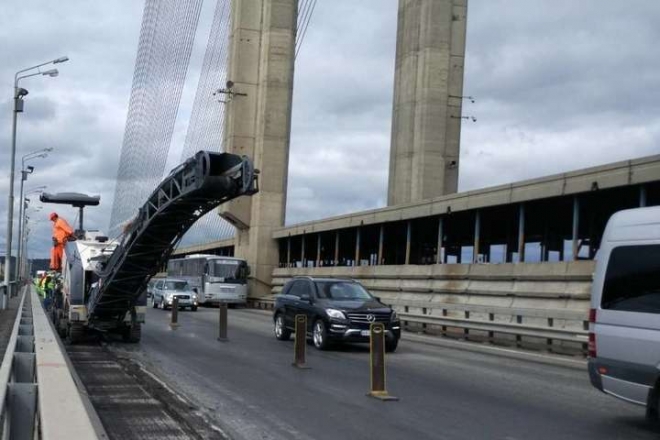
(394, 316)
(334, 313)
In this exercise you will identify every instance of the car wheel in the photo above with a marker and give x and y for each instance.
(193, 308)
(162, 304)
(390, 345)
(281, 332)
(154, 303)
(320, 335)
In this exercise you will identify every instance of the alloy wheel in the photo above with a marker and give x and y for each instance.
(279, 326)
(319, 335)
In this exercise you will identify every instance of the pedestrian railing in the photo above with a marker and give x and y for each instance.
(38, 396)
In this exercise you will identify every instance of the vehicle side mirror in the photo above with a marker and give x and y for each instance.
(377, 298)
(195, 290)
(305, 297)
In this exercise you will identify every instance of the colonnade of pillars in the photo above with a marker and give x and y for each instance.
(308, 257)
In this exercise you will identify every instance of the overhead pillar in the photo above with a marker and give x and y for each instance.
(258, 124)
(428, 96)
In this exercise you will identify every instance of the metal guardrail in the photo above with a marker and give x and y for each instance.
(39, 398)
(518, 328)
(491, 325)
(13, 383)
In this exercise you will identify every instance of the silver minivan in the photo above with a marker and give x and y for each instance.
(624, 329)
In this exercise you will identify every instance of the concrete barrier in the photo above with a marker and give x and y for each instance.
(540, 305)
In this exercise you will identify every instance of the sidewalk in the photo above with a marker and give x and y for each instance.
(7, 318)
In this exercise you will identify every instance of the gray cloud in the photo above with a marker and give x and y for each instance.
(559, 85)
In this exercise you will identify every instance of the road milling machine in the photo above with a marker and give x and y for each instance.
(103, 281)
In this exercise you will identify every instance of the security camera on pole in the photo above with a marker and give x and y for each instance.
(19, 96)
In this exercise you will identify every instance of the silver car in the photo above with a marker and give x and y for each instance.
(164, 292)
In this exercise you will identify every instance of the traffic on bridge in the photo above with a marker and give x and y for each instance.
(455, 235)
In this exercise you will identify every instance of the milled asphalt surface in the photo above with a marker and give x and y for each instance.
(247, 385)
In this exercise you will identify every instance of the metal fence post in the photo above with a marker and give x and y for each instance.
(222, 321)
(300, 342)
(377, 363)
(175, 313)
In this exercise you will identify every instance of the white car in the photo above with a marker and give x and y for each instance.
(164, 292)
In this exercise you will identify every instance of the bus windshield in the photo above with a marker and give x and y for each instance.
(228, 270)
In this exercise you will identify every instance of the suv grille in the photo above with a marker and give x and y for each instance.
(362, 317)
(182, 296)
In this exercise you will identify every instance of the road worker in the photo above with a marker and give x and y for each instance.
(62, 233)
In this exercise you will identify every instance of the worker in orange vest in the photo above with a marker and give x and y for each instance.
(62, 233)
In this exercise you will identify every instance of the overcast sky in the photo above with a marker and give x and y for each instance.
(559, 85)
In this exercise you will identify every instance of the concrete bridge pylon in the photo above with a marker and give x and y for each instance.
(258, 124)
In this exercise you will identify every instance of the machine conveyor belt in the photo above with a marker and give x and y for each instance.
(200, 184)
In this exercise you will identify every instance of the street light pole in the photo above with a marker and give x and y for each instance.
(24, 173)
(23, 207)
(19, 94)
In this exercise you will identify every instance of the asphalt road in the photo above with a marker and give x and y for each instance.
(250, 388)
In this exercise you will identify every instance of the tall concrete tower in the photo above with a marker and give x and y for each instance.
(428, 89)
(258, 124)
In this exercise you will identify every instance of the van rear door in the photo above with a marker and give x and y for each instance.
(627, 323)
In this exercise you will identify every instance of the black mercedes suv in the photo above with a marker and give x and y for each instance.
(337, 310)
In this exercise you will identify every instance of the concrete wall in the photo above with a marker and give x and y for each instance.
(554, 287)
(428, 89)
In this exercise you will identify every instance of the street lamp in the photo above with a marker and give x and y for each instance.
(22, 261)
(19, 96)
(23, 207)
(24, 174)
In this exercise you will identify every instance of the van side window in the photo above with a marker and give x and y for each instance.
(632, 280)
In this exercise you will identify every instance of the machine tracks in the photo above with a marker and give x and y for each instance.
(133, 404)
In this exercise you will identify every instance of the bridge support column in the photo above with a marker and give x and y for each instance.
(642, 196)
(439, 258)
(381, 238)
(477, 237)
(576, 227)
(428, 89)
(521, 233)
(408, 241)
(357, 246)
(261, 65)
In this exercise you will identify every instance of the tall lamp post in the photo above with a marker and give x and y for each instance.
(23, 256)
(24, 175)
(19, 96)
(23, 207)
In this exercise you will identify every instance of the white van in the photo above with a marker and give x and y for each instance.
(624, 330)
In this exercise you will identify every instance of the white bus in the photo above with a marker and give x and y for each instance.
(215, 279)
